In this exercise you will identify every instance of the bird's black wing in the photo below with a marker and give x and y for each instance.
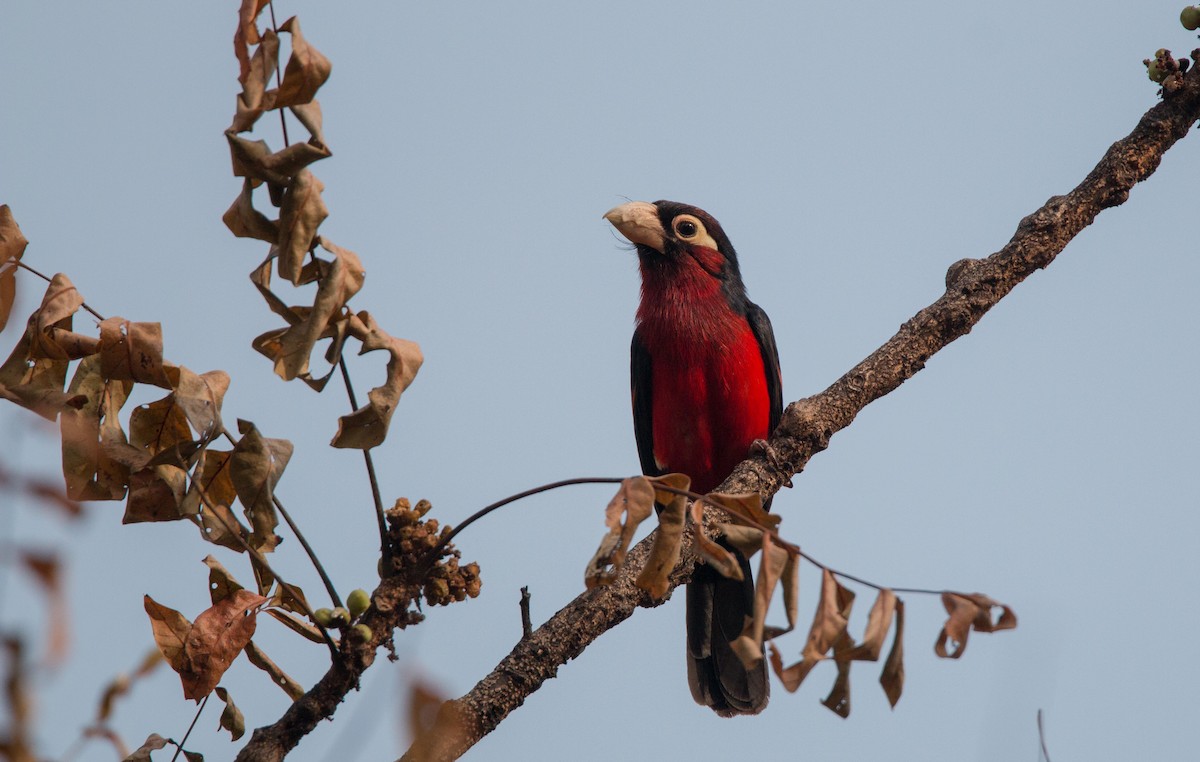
(760, 325)
(643, 428)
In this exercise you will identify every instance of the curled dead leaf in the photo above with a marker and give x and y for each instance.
(633, 504)
(246, 35)
(302, 213)
(12, 246)
(255, 80)
(259, 658)
(711, 552)
(132, 352)
(244, 221)
(969, 611)
(306, 69)
(221, 583)
(341, 279)
(664, 552)
(368, 426)
(216, 638)
(91, 432)
(828, 627)
(257, 465)
(772, 564)
(46, 568)
(892, 676)
(231, 717)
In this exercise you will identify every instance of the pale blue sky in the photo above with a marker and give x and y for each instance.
(851, 153)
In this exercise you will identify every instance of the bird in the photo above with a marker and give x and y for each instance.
(705, 383)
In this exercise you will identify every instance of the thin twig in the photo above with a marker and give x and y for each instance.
(1042, 737)
(179, 746)
(384, 550)
(526, 621)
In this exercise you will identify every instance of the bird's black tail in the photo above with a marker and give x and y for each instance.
(717, 608)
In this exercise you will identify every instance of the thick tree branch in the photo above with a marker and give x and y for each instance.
(973, 286)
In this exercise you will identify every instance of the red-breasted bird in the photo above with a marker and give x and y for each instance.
(706, 384)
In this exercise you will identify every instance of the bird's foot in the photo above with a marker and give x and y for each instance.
(773, 457)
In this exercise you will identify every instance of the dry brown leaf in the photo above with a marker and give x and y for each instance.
(211, 480)
(154, 742)
(231, 717)
(215, 524)
(247, 158)
(879, 621)
(367, 427)
(828, 627)
(969, 611)
(892, 676)
(90, 471)
(290, 597)
(132, 352)
(664, 552)
(257, 465)
(244, 221)
(216, 638)
(52, 495)
(832, 615)
(259, 658)
(712, 553)
(424, 701)
(12, 246)
(47, 570)
(672, 481)
(289, 161)
(199, 397)
(838, 700)
(747, 506)
(633, 504)
(306, 69)
(158, 425)
(309, 115)
(122, 683)
(34, 374)
(256, 79)
(60, 302)
(792, 676)
(246, 35)
(745, 540)
(302, 628)
(170, 633)
(302, 213)
(341, 280)
(221, 583)
(261, 278)
(748, 645)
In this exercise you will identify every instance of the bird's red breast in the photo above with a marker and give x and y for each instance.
(708, 389)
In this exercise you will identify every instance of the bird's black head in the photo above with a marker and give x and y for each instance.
(680, 239)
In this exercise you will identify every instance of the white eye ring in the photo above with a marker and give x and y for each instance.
(687, 227)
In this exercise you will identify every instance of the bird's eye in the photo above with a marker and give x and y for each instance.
(686, 227)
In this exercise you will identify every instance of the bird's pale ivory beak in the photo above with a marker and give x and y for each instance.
(638, 221)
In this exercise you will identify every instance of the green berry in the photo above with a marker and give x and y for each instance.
(324, 617)
(340, 617)
(1190, 17)
(358, 601)
(361, 633)
(1155, 72)
(1161, 53)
